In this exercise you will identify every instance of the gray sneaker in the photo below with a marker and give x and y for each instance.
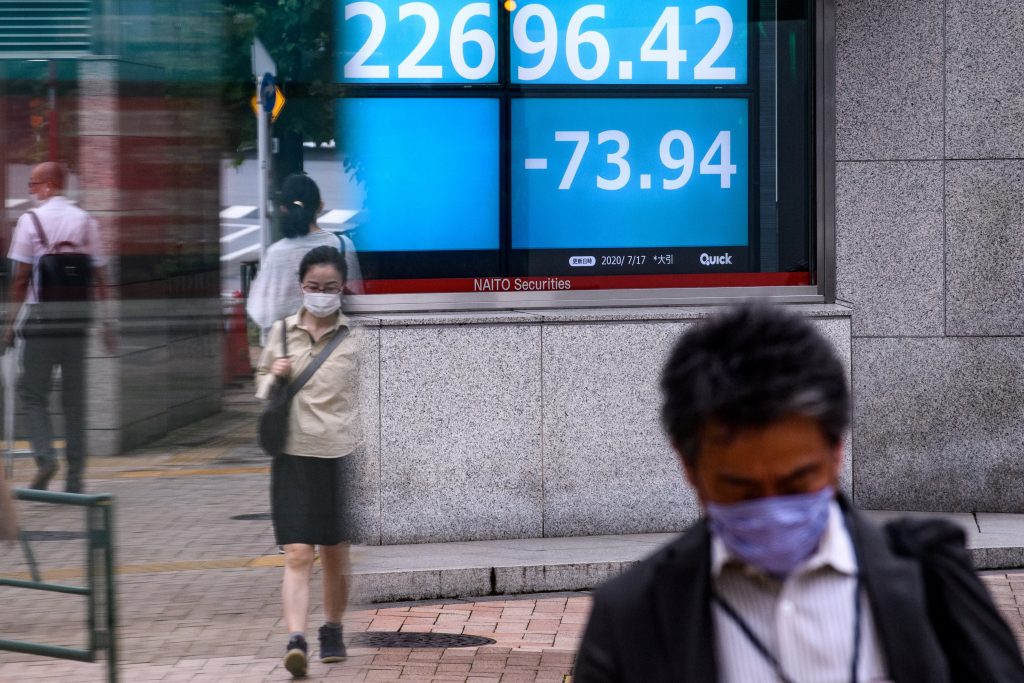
(332, 649)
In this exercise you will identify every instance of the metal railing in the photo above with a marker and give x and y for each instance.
(99, 589)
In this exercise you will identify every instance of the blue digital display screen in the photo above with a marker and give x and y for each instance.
(557, 139)
(441, 41)
(634, 42)
(617, 173)
(429, 171)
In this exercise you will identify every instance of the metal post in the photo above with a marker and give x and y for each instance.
(108, 522)
(264, 70)
(93, 534)
(30, 557)
(263, 147)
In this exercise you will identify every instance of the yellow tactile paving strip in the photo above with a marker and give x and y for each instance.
(198, 472)
(99, 472)
(145, 466)
(26, 446)
(69, 573)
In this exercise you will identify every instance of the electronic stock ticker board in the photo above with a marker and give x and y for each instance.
(549, 146)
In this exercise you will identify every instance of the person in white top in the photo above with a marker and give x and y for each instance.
(60, 224)
(782, 581)
(273, 295)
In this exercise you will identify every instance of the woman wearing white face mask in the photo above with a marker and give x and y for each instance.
(308, 493)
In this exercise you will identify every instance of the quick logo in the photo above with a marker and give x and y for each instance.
(719, 260)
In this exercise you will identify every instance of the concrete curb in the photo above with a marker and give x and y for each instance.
(997, 558)
(475, 582)
(522, 566)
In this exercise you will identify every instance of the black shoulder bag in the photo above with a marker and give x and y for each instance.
(273, 426)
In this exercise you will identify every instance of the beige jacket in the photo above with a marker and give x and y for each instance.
(324, 420)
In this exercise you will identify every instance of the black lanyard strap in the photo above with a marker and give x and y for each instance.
(758, 644)
(857, 617)
(763, 650)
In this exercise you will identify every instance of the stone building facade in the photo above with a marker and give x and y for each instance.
(930, 253)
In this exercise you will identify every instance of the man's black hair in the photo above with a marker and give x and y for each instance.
(746, 368)
(320, 256)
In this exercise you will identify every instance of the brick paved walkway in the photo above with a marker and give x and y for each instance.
(199, 591)
(535, 636)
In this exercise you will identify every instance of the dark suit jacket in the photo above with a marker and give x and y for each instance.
(935, 619)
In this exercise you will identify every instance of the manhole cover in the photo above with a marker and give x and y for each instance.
(53, 535)
(417, 640)
(255, 516)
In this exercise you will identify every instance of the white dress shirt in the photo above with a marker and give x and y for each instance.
(805, 621)
(62, 221)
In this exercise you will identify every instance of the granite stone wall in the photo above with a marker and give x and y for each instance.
(930, 255)
(525, 424)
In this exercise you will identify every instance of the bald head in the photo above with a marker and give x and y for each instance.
(47, 179)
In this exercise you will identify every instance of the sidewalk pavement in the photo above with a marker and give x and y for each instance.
(199, 579)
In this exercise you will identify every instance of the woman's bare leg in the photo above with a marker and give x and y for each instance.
(334, 561)
(298, 564)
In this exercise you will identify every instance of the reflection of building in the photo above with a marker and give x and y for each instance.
(127, 94)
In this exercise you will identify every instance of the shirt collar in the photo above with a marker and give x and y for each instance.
(55, 200)
(292, 321)
(835, 550)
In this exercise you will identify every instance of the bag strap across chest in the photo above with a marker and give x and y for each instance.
(315, 363)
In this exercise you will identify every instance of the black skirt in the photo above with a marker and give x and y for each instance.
(308, 499)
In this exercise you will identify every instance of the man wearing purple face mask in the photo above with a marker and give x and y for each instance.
(782, 581)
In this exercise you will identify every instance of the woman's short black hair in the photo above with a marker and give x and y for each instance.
(746, 368)
(300, 198)
(323, 256)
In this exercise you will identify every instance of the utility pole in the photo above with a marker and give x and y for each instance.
(264, 70)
